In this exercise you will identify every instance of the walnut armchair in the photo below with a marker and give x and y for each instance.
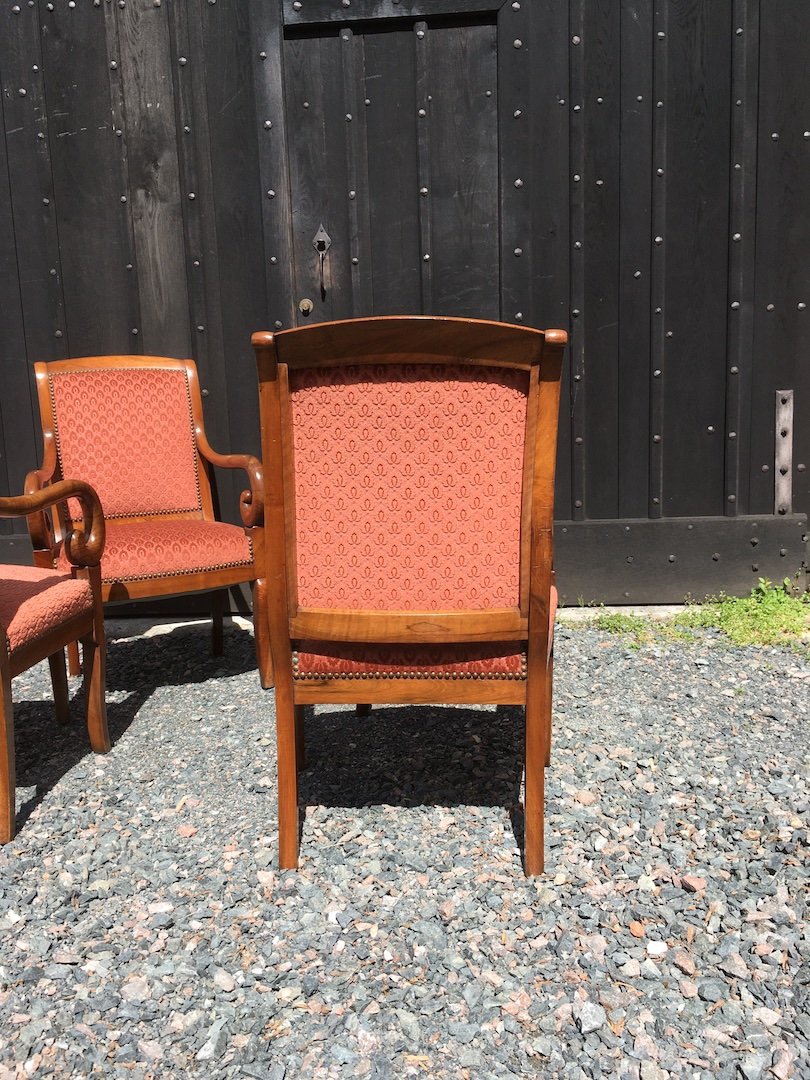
(410, 489)
(41, 611)
(132, 426)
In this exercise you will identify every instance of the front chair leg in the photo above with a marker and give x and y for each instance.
(287, 784)
(300, 739)
(261, 634)
(93, 652)
(536, 752)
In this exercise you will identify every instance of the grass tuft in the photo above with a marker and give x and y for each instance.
(771, 615)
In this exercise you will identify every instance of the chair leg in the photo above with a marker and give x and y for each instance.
(74, 663)
(300, 739)
(363, 710)
(8, 807)
(261, 634)
(536, 752)
(219, 603)
(287, 783)
(56, 662)
(94, 654)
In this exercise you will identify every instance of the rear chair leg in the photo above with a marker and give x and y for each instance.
(287, 783)
(219, 604)
(8, 806)
(56, 662)
(74, 664)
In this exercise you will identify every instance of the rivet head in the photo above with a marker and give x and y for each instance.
(732, 434)
(576, 39)
(734, 370)
(774, 135)
(355, 261)
(636, 273)
(346, 3)
(262, 55)
(519, 316)
(518, 183)
(420, 34)
(716, 556)
(575, 312)
(273, 260)
(516, 5)
(661, 35)
(271, 194)
(22, 92)
(57, 333)
(268, 124)
(518, 112)
(426, 258)
(578, 503)
(656, 438)
(710, 428)
(200, 329)
(113, 65)
(671, 558)
(135, 331)
(735, 304)
(422, 112)
(128, 266)
(517, 44)
(801, 306)
(657, 373)
(579, 440)
(123, 198)
(296, 5)
(348, 117)
(659, 172)
(518, 252)
(577, 178)
(47, 202)
(192, 196)
(659, 239)
(769, 307)
(737, 237)
(352, 194)
(182, 61)
(732, 498)
(577, 244)
(423, 191)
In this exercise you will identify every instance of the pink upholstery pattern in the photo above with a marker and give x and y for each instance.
(408, 486)
(33, 601)
(128, 432)
(504, 661)
(159, 548)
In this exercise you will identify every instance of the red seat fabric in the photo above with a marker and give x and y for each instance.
(154, 548)
(462, 661)
(34, 601)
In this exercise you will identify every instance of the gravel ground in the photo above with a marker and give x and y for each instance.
(145, 932)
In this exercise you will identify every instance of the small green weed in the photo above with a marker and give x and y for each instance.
(771, 615)
(634, 627)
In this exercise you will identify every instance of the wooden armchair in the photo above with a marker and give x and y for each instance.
(41, 611)
(132, 426)
(410, 482)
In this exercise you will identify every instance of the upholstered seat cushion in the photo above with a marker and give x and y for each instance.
(316, 660)
(155, 548)
(33, 601)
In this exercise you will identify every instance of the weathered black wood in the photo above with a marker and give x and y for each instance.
(353, 63)
(462, 118)
(18, 440)
(91, 219)
(156, 199)
(310, 12)
(782, 298)
(694, 244)
(598, 327)
(635, 215)
(578, 380)
(391, 134)
(659, 334)
(668, 560)
(425, 175)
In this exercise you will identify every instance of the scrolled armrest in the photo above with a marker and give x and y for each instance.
(84, 547)
(251, 503)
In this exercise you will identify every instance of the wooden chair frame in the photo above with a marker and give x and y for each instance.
(46, 542)
(84, 548)
(412, 340)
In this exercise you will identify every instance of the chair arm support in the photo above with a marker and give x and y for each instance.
(84, 546)
(251, 503)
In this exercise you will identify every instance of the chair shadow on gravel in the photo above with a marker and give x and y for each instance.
(46, 750)
(416, 755)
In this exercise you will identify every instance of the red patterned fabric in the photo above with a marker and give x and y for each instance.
(134, 551)
(408, 486)
(495, 661)
(128, 432)
(33, 601)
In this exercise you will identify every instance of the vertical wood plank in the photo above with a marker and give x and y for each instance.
(88, 180)
(694, 245)
(579, 386)
(741, 251)
(635, 217)
(267, 61)
(352, 56)
(596, 111)
(461, 105)
(395, 202)
(425, 178)
(155, 195)
(658, 264)
(782, 292)
(31, 182)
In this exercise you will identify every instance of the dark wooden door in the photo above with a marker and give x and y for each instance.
(411, 133)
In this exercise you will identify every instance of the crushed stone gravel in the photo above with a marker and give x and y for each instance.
(145, 931)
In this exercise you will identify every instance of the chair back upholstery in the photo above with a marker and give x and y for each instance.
(410, 468)
(126, 425)
(408, 485)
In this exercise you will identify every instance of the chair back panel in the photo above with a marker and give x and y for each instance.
(408, 485)
(129, 433)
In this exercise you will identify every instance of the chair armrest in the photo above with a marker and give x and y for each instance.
(83, 546)
(251, 503)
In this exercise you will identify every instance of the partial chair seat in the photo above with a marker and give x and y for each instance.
(155, 548)
(34, 601)
(462, 661)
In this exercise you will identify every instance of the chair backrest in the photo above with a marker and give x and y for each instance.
(126, 424)
(411, 460)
